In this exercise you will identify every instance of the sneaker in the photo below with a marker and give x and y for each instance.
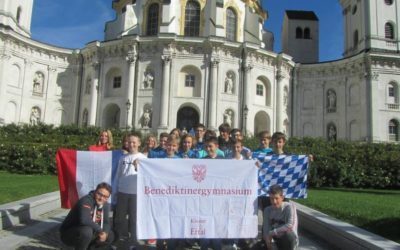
(152, 242)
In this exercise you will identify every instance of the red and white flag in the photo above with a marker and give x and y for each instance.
(79, 172)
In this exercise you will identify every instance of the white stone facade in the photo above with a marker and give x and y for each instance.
(171, 79)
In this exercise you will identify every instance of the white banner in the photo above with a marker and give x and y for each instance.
(192, 198)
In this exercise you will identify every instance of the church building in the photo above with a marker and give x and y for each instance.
(166, 64)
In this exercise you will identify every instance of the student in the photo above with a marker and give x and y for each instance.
(104, 143)
(203, 153)
(280, 221)
(278, 143)
(172, 147)
(126, 188)
(186, 147)
(236, 135)
(87, 224)
(200, 131)
(224, 140)
(151, 143)
(176, 132)
(159, 152)
(264, 139)
(211, 146)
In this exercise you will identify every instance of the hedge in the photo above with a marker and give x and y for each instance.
(31, 150)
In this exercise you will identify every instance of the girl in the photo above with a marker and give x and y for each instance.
(151, 143)
(104, 143)
(186, 147)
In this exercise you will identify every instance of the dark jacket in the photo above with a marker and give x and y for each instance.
(82, 215)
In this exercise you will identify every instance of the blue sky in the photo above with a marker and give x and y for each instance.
(73, 23)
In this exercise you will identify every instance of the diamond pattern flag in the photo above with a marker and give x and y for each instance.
(289, 171)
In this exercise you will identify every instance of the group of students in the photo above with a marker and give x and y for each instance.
(87, 225)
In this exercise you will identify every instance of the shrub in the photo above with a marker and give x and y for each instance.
(31, 150)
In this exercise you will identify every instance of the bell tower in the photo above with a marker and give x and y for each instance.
(370, 25)
(17, 14)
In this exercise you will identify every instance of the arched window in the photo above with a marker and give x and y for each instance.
(18, 17)
(388, 2)
(152, 20)
(307, 34)
(393, 130)
(355, 39)
(192, 19)
(231, 21)
(299, 33)
(389, 31)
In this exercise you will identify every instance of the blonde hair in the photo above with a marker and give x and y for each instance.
(110, 144)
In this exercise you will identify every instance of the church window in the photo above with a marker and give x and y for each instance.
(389, 31)
(388, 2)
(354, 10)
(18, 17)
(117, 82)
(391, 91)
(192, 19)
(299, 33)
(231, 20)
(307, 33)
(393, 130)
(190, 81)
(88, 87)
(355, 39)
(259, 90)
(152, 19)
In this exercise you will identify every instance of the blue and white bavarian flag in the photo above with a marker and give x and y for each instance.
(289, 171)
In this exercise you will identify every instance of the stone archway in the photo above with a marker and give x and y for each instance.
(111, 116)
(187, 118)
(261, 122)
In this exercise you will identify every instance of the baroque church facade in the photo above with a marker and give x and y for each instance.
(166, 64)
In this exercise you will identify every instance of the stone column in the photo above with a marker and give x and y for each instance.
(51, 72)
(165, 92)
(247, 94)
(94, 94)
(278, 102)
(131, 59)
(212, 108)
(3, 60)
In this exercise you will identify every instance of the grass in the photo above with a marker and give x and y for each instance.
(15, 187)
(377, 211)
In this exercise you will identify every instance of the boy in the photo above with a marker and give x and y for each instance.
(264, 138)
(87, 224)
(159, 152)
(200, 131)
(236, 135)
(126, 188)
(278, 143)
(211, 147)
(280, 221)
(224, 140)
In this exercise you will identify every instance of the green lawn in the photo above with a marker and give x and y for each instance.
(15, 187)
(377, 211)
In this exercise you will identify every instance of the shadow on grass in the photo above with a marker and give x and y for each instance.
(387, 228)
(366, 191)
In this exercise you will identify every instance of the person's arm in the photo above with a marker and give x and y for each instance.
(290, 221)
(85, 215)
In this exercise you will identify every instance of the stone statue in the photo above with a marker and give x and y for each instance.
(38, 82)
(148, 80)
(331, 101)
(332, 133)
(34, 119)
(228, 117)
(229, 84)
(146, 118)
